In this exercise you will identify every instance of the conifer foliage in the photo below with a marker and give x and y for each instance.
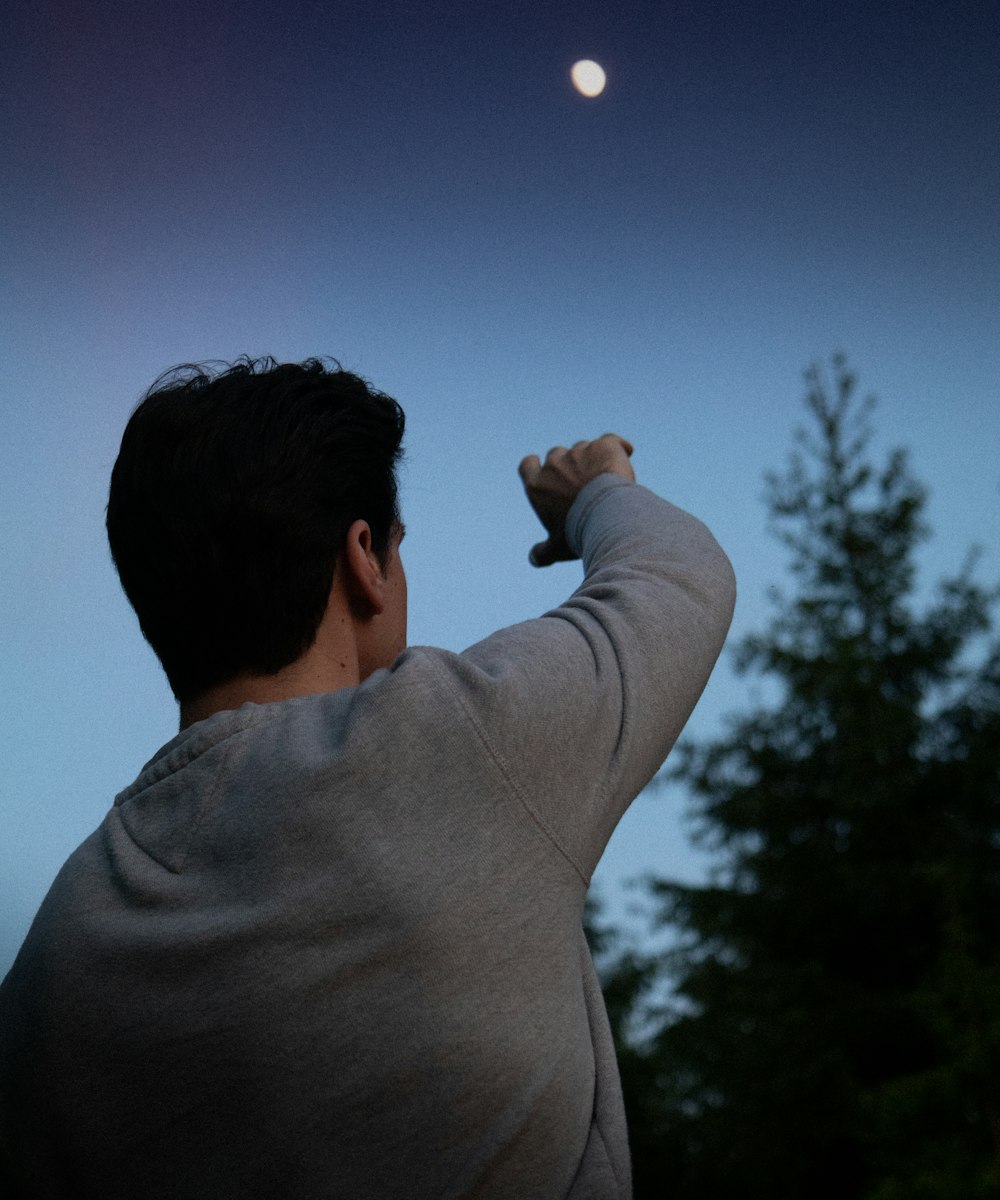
(834, 1027)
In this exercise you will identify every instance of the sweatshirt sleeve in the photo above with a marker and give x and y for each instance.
(580, 707)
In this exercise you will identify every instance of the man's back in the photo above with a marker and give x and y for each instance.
(333, 946)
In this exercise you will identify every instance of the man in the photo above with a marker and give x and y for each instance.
(329, 942)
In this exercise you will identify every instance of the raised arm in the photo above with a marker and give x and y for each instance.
(580, 707)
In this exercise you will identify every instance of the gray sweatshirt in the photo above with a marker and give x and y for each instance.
(332, 946)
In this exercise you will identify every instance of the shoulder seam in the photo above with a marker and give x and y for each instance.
(508, 778)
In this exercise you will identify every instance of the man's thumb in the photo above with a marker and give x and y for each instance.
(540, 554)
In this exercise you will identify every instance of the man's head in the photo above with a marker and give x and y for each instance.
(236, 491)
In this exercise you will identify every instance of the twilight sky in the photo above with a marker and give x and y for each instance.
(417, 190)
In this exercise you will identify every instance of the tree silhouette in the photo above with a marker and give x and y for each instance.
(834, 1026)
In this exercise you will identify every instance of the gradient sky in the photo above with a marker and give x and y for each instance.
(416, 189)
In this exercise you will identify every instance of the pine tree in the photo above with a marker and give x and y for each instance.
(835, 1023)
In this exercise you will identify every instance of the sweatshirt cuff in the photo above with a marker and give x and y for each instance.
(585, 500)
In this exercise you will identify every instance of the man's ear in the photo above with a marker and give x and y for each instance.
(363, 576)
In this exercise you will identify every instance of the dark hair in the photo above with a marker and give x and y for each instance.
(230, 499)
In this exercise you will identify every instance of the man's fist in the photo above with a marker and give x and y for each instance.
(553, 486)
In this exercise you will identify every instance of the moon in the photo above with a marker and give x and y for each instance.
(588, 77)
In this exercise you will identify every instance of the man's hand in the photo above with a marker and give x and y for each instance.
(551, 488)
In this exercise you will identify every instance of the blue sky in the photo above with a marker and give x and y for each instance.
(417, 190)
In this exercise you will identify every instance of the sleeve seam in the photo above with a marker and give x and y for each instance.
(505, 773)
